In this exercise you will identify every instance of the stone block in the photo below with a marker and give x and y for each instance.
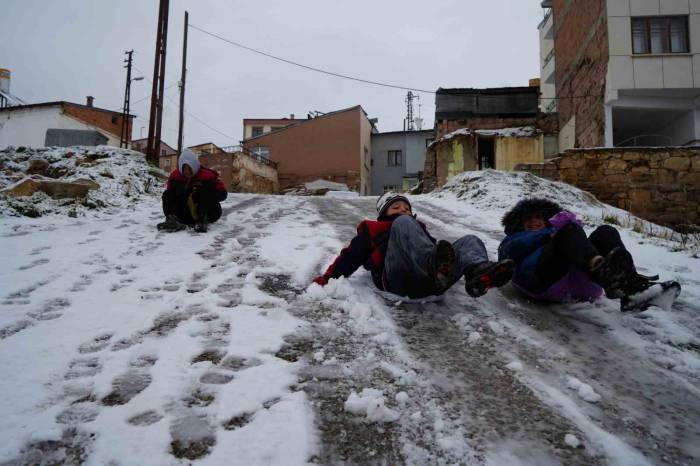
(617, 164)
(677, 163)
(62, 190)
(26, 187)
(615, 179)
(38, 167)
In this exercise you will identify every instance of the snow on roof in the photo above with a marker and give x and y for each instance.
(515, 132)
(324, 184)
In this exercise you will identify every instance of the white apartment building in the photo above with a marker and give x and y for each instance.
(630, 70)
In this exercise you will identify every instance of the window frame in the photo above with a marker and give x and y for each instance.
(394, 158)
(254, 129)
(667, 37)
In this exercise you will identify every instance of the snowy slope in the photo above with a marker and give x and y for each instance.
(123, 345)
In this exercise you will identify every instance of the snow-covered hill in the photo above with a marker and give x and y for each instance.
(123, 345)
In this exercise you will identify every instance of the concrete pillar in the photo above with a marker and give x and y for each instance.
(608, 125)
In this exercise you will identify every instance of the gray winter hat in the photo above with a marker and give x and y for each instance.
(187, 157)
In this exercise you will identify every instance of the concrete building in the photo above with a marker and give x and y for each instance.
(627, 72)
(27, 125)
(495, 128)
(6, 98)
(258, 126)
(335, 146)
(167, 159)
(398, 158)
(548, 91)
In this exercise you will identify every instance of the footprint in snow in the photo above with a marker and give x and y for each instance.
(33, 264)
(146, 418)
(192, 437)
(126, 386)
(39, 250)
(51, 309)
(15, 327)
(83, 367)
(96, 344)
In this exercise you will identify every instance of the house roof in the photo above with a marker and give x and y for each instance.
(145, 140)
(13, 100)
(59, 103)
(305, 121)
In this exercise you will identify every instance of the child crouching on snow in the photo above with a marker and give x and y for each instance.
(557, 261)
(405, 260)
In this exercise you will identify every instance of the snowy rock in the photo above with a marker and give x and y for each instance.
(401, 398)
(515, 366)
(474, 337)
(585, 391)
(572, 441)
(370, 403)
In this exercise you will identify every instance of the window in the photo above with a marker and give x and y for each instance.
(393, 158)
(162, 152)
(261, 151)
(428, 142)
(390, 187)
(257, 130)
(166, 163)
(114, 120)
(660, 34)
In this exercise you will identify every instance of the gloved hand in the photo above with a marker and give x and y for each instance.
(321, 280)
(563, 218)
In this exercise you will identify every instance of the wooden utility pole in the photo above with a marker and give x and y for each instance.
(182, 85)
(124, 137)
(156, 117)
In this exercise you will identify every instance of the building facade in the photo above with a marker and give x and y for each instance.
(335, 146)
(258, 126)
(627, 72)
(167, 159)
(398, 158)
(27, 125)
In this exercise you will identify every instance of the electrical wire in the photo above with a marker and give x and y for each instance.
(205, 123)
(319, 70)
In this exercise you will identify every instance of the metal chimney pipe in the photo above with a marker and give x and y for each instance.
(90, 100)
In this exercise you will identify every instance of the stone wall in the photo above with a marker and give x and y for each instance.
(250, 176)
(658, 184)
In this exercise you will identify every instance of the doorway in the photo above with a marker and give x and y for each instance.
(486, 153)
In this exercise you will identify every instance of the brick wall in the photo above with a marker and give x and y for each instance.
(106, 120)
(659, 184)
(581, 54)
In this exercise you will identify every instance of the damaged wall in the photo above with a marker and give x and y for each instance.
(658, 184)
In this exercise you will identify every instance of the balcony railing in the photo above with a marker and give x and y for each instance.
(257, 157)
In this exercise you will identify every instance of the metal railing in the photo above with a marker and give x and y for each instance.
(257, 157)
(653, 141)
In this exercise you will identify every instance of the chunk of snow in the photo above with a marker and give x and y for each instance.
(370, 403)
(401, 398)
(572, 441)
(474, 337)
(585, 391)
(516, 366)
(319, 356)
(316, 292)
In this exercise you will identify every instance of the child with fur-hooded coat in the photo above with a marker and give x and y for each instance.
(557, 261)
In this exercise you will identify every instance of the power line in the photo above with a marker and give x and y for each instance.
(319, 70)
(204, 123)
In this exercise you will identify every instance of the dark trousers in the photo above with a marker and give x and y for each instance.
(570, 249)
(207, 205)
(408, 255)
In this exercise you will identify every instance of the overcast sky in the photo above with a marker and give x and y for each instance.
(68, 49)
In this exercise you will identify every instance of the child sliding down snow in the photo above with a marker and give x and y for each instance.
(405, 260)
(556, 261)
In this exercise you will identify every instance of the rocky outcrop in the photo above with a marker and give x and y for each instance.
(77, 189)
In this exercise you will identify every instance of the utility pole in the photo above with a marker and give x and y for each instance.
(182, 85)
(124, 137)
(156, 117)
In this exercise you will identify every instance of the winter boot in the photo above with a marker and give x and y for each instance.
(441, 264)
(661, 295)
(202, 225)
(614, 272)
(171, 224)
(488, 275)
